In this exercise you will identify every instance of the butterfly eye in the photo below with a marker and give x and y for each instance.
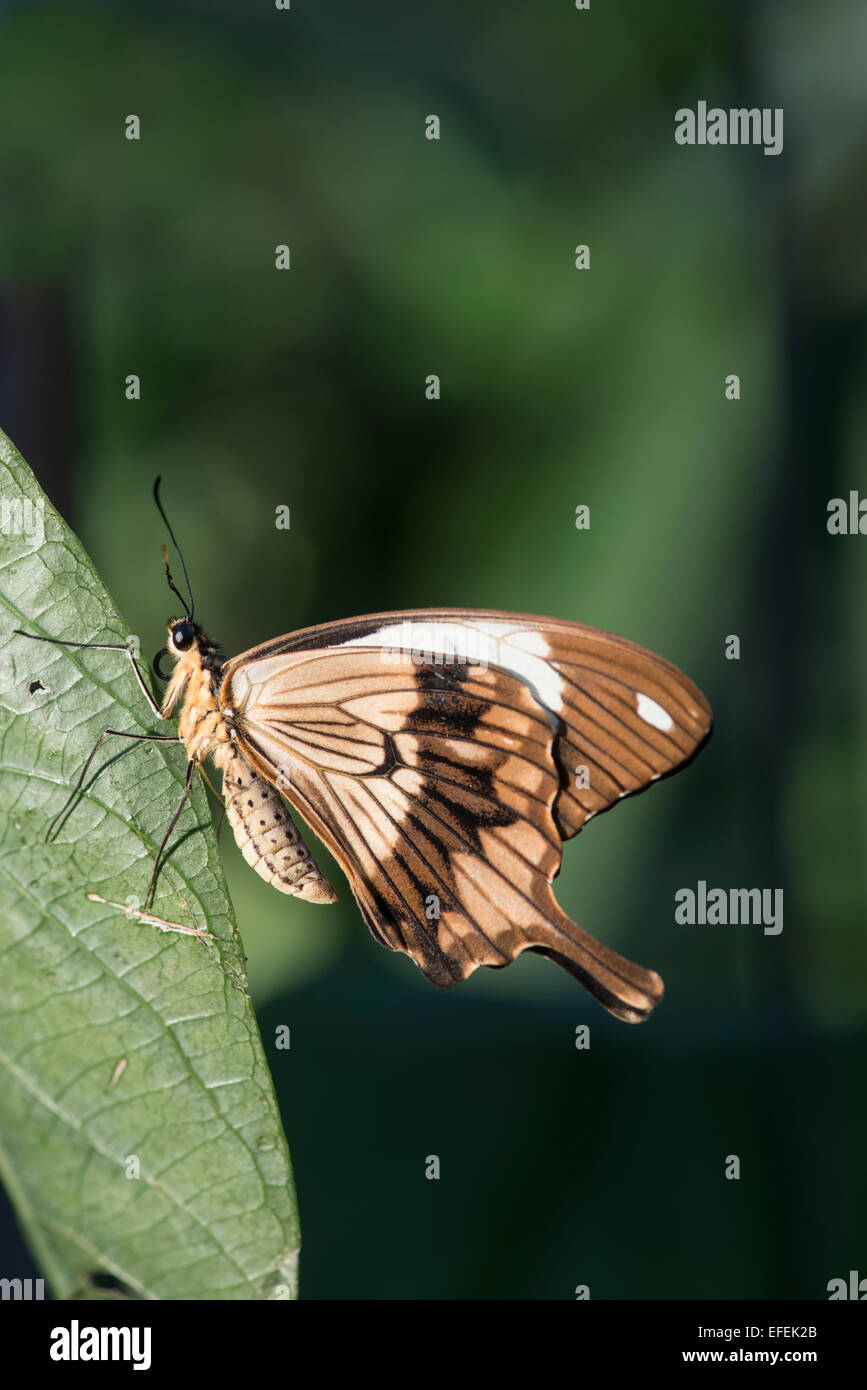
(183, 635)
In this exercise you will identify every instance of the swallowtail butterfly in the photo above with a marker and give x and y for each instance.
(443, 756)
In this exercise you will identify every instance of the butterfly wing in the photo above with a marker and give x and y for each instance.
(443, 756)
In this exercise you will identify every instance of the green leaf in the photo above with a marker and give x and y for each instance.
(86, 989)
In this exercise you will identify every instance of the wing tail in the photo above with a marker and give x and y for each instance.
(628, 991)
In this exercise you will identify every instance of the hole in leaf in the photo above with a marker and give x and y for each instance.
(96, 1283)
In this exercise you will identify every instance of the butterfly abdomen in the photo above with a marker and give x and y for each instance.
(267, 836)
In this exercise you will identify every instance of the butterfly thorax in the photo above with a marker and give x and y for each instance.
(202, 726)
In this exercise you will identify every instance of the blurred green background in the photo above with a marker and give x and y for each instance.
(306, 388)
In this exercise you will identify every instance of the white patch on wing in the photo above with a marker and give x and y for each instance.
(519, 650)
(524, 652)
(652, 713)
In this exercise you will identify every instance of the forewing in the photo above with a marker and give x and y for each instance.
(621, 716)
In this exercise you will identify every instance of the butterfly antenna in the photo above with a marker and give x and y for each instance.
(190, 607)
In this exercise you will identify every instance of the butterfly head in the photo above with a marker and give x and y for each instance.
(196, 658)
(184, 636)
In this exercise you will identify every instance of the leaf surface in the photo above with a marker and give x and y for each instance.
(123, 1050)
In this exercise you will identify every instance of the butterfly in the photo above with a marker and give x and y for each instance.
(443, 756)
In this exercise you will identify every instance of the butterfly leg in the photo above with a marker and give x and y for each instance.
(188, 782)
(148, 919)
(100, 647)
(106, 733)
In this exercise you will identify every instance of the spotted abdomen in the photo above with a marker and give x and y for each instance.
(268, 837)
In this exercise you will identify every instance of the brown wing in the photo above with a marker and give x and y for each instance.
(444, 790)
(597, 726)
